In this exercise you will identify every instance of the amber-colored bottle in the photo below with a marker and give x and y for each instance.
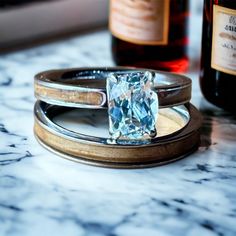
(218, 64)
(150, 33)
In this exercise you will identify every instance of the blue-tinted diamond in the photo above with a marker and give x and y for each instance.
(132, 105)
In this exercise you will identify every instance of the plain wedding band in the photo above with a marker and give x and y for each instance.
(100, 152)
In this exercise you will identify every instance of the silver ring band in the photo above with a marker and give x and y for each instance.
(97, 151)
(86, 87)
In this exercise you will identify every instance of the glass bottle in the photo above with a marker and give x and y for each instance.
(218, 61)
(150, 33)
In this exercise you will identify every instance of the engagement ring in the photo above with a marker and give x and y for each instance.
(132, 97)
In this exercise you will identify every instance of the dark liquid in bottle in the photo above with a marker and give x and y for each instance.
(170, 57)
(218, 87)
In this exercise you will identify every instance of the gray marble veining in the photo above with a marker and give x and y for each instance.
(41, 194)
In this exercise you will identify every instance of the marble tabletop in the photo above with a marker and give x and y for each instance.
(42, 194)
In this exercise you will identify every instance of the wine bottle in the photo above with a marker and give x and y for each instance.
(150, 33)
(218, 61)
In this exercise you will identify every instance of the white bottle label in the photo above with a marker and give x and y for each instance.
(140, 22)
(224, 40)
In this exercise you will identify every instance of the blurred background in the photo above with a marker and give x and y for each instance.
(26, 22)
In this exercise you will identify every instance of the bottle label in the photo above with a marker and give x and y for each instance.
(224, 40)
(140, 22)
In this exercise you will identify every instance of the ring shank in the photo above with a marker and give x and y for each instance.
(85, 87)
(82, 148)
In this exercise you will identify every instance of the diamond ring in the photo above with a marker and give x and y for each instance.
(132, 96)
(132, 105)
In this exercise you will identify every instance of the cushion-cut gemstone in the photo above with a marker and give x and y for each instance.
(132, 105)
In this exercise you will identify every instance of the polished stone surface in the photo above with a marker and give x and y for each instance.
(42, 194)
(132, 105)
